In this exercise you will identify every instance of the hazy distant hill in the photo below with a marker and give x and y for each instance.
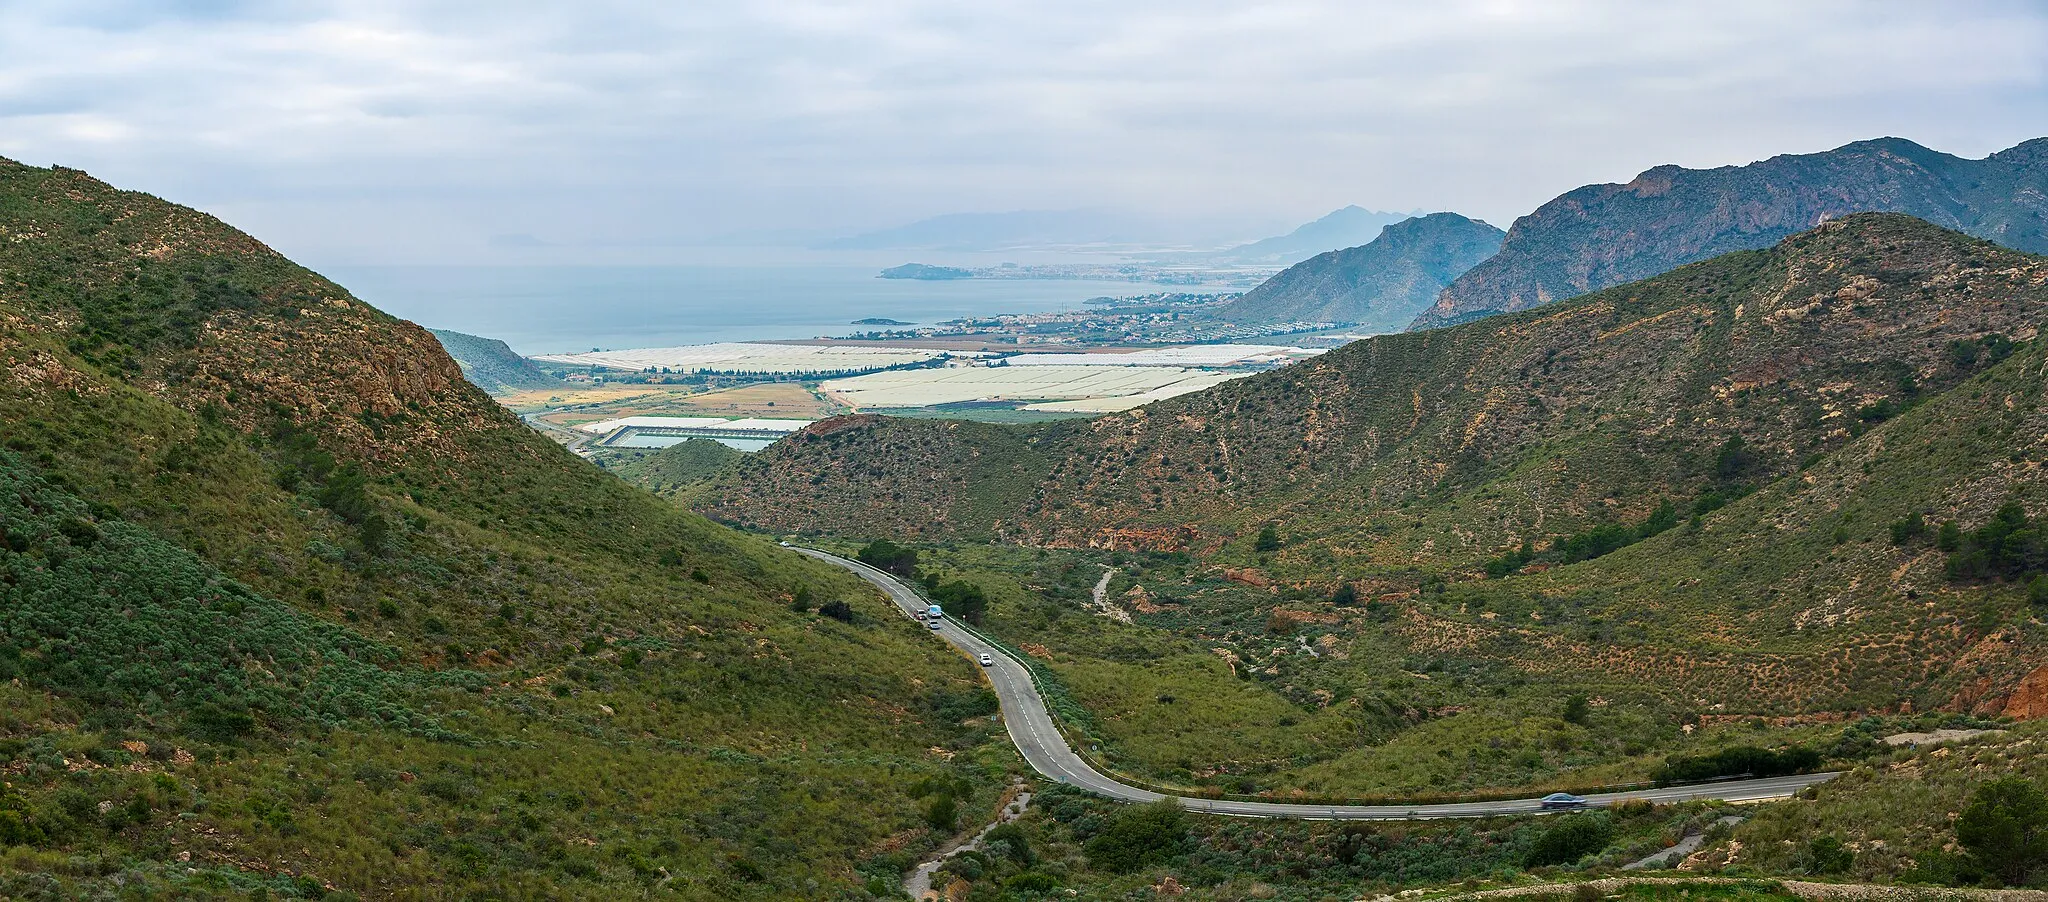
(927, 272)
(1604, 235)
(1383, 284)
(1348, 227)
(1056, 230)
(1005, 231)
(491, 364)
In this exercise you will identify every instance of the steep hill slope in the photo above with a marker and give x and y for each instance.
(672, 470)
(1452, 445)
(287, 605)
(491, 364)
(1604, 235)
(1380, 285)
(1713, 501)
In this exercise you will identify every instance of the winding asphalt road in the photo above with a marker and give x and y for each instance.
(1031, 728)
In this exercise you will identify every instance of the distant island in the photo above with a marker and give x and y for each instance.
(881, 321)
(924, 271)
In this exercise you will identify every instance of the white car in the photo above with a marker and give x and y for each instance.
(987, 661)
(933, 624)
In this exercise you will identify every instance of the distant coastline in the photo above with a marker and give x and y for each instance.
(926, 272)
(1221, 277)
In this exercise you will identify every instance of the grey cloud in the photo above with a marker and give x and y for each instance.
(384, 130)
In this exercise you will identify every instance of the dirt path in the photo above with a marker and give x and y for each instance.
(1686, 846)
(919, 883)
(1100, 598)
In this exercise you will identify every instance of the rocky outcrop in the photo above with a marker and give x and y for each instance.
(1599, 236)
(2029, 699)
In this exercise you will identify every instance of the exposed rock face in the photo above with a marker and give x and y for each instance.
(2029, 699)
(1604, 235)
(1380, 285)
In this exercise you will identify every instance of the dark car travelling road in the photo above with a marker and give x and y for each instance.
(1031, 728)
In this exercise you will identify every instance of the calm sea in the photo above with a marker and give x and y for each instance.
(560, 309)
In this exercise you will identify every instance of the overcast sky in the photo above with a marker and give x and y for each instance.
(371, 131)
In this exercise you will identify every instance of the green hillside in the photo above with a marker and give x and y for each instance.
(673, 471)
(1449, 448)
(289, 607)
(491, 364)
(1385, 570)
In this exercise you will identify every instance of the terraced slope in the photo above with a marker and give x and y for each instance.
(286, 605)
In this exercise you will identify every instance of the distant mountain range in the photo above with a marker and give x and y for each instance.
(1109, 230)
(1382, 284)
(1349, 227)
(1599, 236)
(1023, 230)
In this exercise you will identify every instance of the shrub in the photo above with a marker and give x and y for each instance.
(1911, 527)
(1570, 839)
(1139, 836)
(2005, 828)
(1032, 882)
(961, 599)
(1268, 540)
(883, 554)
(1282, 623)
(1015, 843)
(2010, 545)
(1576, 710)
(941, 811)
(1741, 760)
(1734, 461)
(213, 722)
(1829, 856)
(837, 610)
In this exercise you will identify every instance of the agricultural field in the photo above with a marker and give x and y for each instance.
(1213, 355)
(1118, 403)
(573, 407)
(766, 399)
(750, 357)
(953, 385)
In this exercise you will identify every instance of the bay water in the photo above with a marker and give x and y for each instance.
(566, 309)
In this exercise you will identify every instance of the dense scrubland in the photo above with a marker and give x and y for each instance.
(287, 607)
(1750, 515)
